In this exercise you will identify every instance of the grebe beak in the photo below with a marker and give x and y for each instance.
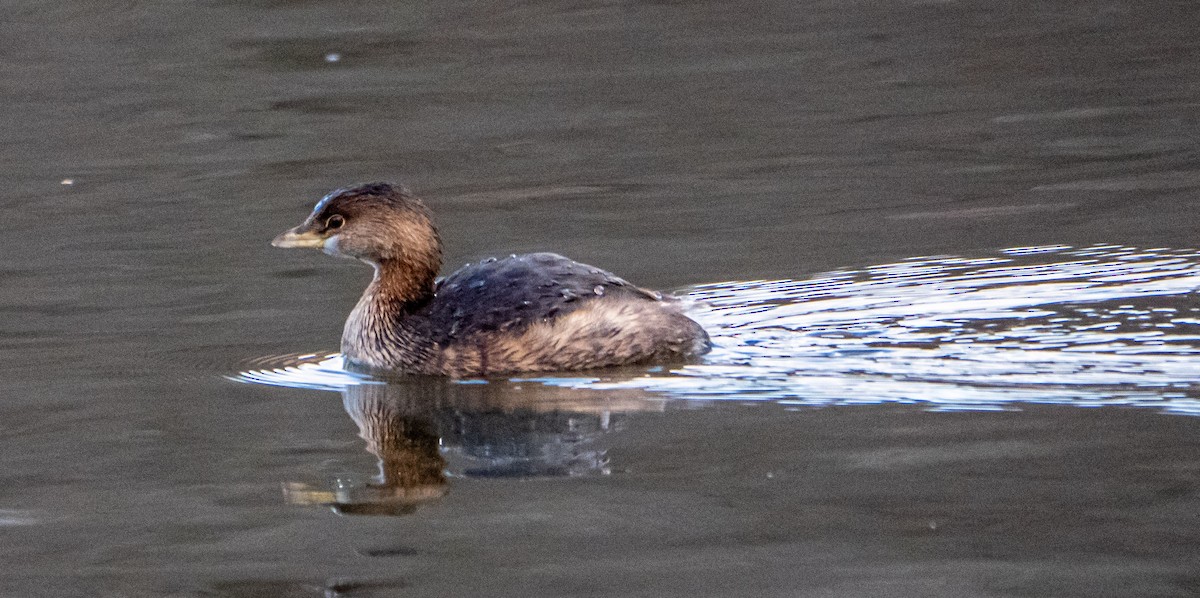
(299, 237)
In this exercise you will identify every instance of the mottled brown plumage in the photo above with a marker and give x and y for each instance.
(524, 313)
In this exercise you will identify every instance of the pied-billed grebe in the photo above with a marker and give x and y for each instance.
(523, 313)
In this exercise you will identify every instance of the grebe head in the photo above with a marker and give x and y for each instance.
(378, 223)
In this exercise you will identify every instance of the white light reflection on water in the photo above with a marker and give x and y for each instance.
(1104, 325)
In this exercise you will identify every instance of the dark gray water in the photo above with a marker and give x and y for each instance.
(903, 401)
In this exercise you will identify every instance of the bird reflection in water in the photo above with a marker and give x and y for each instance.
(424, 433)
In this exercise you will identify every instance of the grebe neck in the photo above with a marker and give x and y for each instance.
(400, 288)
(380, 332)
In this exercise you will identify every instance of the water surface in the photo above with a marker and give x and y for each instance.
(899, 405)
(1104, 325)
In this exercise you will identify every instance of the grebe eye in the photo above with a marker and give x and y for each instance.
(335, 221)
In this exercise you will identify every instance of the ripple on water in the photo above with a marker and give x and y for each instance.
(1102, 325)
(19, 517)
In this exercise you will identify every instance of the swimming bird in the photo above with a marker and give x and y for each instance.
(536, 312)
